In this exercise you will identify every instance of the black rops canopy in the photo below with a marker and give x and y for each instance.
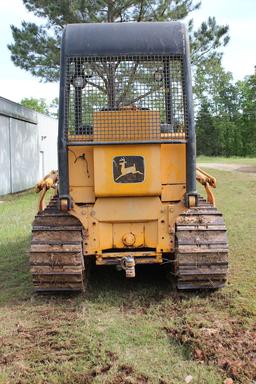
(127, 39)
(124, 39)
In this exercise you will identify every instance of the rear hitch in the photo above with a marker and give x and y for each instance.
(128, 264)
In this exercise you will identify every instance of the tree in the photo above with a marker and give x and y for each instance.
(218, 125)
(247, 99)
(247, 94)
(36, 48)
(206, 40)
(225, 110)
(41, 106)
(54, 108)
(38, 105)
(207, 134)
(214, 86)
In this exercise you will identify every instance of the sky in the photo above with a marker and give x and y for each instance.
(239, 56)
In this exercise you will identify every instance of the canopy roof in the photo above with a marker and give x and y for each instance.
(124, 39)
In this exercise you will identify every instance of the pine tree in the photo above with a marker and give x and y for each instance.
(207, 133)
(36, 47)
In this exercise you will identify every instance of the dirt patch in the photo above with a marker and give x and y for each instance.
(40, 344)
(51, 342)
(229, 167)
(224, 344)
(126, 375)
(247, 169)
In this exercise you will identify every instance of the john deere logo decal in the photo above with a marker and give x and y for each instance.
(128, 169)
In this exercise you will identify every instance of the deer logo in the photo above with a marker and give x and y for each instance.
(128, 169)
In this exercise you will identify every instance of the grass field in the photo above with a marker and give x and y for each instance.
(138, 331)
(227, 160)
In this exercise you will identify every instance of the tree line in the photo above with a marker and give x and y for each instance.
(225, 112)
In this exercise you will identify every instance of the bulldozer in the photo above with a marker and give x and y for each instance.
(125, 192)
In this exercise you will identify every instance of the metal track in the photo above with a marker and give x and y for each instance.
(201, 254)
(56, 257)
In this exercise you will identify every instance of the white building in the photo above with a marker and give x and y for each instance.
(28, 146)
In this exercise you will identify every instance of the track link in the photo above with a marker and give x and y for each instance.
(56, 254)
(201, 257)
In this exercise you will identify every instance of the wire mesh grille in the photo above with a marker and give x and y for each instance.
(125, 99)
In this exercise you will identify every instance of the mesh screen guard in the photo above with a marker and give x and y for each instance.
(125, 100)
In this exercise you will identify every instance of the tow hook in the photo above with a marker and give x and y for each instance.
(128, 264)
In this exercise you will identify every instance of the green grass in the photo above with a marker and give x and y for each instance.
(227, 160)
(129, 331)
(16, 215)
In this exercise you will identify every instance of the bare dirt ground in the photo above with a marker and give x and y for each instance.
(230, 167)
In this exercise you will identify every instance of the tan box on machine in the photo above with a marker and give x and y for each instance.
(126, 125)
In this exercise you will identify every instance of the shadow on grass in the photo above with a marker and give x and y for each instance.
(152, 284)
(110, 287)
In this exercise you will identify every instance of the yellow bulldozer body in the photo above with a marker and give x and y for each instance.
(126, 185)
(121, 215)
